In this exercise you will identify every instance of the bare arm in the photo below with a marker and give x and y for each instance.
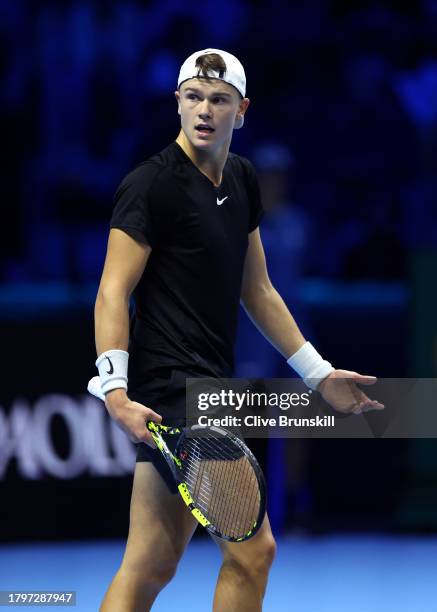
(125, 262)
(264, 305)
(269, 313)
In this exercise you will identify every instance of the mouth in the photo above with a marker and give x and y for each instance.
(204, 128)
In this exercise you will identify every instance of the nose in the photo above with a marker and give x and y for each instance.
(204, 110)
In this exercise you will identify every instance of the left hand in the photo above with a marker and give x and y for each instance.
(340, 390)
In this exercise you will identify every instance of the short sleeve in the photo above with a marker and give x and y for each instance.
(256, 208)
(132, 211)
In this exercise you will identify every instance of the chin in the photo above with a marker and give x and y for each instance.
(199, 143)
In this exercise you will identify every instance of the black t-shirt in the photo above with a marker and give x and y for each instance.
(187, 298)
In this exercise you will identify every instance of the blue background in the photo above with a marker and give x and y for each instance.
(343, 118)
(343, 130)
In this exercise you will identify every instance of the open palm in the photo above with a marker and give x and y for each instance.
(341, 392)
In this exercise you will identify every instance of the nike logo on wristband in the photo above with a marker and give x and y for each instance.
(111, 367)
(220, 202)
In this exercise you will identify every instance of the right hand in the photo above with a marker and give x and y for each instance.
(131, 417)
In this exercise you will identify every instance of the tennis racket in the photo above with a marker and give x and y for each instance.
(217, 476)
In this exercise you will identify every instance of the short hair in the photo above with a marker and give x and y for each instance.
(210, 61)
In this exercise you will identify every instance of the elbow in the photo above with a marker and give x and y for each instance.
(257, 294)
(108, 295)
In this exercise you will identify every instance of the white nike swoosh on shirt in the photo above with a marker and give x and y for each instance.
(220, 202)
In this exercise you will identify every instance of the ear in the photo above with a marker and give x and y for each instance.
(239, 122)
(239, 119)
(178, 99)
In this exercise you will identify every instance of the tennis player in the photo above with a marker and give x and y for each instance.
(184, 240)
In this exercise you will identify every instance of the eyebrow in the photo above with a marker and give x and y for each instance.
(216, 93)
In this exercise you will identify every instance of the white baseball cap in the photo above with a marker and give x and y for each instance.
(234, 73)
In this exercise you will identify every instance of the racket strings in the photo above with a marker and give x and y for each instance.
(222, 483)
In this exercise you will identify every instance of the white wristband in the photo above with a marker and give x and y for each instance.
(310, 365)
(112, 366)
(95, 388)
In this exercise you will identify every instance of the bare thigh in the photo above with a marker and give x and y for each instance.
(160, 524)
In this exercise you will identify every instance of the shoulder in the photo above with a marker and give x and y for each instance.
(140, 178)
(238, 163)
(242, 169)
(143, 176)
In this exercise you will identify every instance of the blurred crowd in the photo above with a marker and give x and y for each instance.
(342, 125)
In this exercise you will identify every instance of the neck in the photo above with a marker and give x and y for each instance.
(210, 163)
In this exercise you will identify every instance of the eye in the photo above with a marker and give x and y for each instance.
(191, 96)
(218, 100)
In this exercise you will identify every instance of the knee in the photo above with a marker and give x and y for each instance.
(255, 562)
(264, 556)
(160, 574)
(149, 571)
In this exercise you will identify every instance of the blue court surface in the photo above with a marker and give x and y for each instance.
(347, 573)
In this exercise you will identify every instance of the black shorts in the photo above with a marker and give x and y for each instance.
(163, 390)
(145, 453)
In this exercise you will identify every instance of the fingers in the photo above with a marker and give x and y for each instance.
(366, 406)
(375, 405)
(369, 404)
(146, 438)
(153, 416)
(147, 413)
(133, 421)
(157, 418)
(361, 379)
(142, 436)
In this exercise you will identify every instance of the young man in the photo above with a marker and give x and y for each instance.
(184, 239)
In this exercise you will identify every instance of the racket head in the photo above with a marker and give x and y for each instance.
(221, 482)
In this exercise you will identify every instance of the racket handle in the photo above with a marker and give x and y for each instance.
(163, 429)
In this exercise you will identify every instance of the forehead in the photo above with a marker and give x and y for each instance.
(209, 86)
